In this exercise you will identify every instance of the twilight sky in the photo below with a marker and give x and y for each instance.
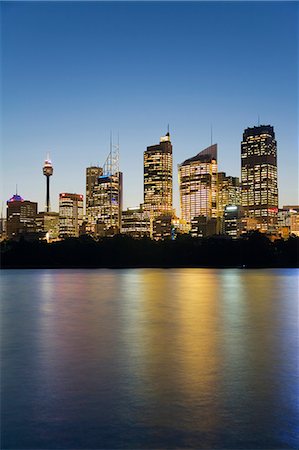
(73, 71)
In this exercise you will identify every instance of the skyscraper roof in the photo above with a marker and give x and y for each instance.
(205, 155)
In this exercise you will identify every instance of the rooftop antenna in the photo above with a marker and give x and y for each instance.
(16, 189)
(168, 128)
(211, 134)
(258, 120)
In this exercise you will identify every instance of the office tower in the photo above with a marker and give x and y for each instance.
(259, 193)
(104, 190)
(135, 222)
(70, 214)
(229, 192)
(198, 185)
(48, 172)
(92, 209)
(21, 217)
(158, 178)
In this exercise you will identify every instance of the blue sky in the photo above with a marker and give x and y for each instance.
(73, 71)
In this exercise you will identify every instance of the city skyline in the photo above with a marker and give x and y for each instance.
(63, 92)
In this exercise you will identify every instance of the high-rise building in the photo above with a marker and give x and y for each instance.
(21, 217)
(48, 172)
(70, 214)
(259, 192)
(92, 208)
(158, 178)
(104, 190)
(198, 185)
(229, 192)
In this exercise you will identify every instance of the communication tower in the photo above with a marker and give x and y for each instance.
(48, 172)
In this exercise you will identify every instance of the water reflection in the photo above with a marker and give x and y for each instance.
(150, 358)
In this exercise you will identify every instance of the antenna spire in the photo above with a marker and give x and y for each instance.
(211, 134)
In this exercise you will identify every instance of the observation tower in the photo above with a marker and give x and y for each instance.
(48, 171)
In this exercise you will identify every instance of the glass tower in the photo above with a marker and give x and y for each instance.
(158, 178)
(259, 194)
(198, 185)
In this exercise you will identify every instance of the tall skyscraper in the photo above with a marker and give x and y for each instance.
(104, 190)
(48, 172)
(259, 195)
(21, 217)
(158, 178)
(70, 214)
(198, 185)
(92, 208)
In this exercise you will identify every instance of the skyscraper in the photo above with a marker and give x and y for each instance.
(21, 217)
(104, 196)
(48, 172)
(259, 194)
(158, 178)
(198, 185)
(92, 208)
(70, 214)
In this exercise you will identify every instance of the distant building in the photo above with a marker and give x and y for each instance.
(158, 178)
(233, 225)
(136, 222)
(203, 226)
(198, 186)
(70, 214)
(47, 225)
(259, 194)
(163, 227)
(21, 217)
(104, 193)
(288, 221)
(92, 207)
(229, 192)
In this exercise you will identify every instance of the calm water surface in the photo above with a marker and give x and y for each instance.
(149, 358)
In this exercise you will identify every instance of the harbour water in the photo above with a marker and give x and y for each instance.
(149, 359)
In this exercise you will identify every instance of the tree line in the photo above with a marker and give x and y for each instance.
(120, 251)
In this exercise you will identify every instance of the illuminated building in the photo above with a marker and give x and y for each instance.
(70, 214)
(92, 208)
(233, 224)
(47, 225)
(158, 178)
(202, 226)
(136, 222)
(163, 227)
(198, 185)
(288, 221)
(21, 217)
(48, 172)
(229, 192)
(259, 193)
(104, 190)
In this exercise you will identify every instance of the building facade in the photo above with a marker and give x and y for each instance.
(136, 222)
(229, 192)
(259, 192)
(70, 214)
(92, 208)
(198, 185)
(107, 195)
(20, 217)
(158, 178)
